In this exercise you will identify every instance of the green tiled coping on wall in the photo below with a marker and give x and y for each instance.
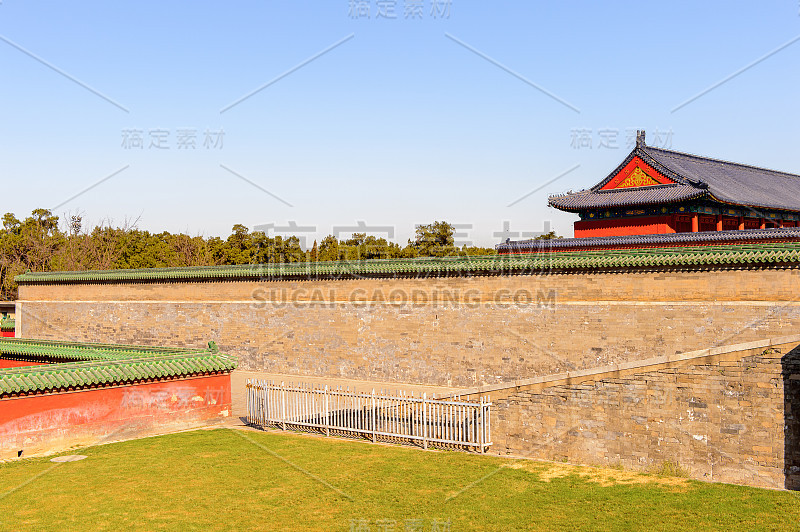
(94, 365)
(744, 255)
(7, 324)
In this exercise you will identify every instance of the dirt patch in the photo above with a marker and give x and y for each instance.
(601, 475)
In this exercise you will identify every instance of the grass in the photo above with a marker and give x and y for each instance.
(227, 479)
(670, 468)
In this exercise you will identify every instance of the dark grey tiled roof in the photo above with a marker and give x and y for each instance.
(695, 177)
(677, 239)
(591, 199)
(735, 183)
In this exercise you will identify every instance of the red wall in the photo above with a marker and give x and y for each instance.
(6, 334)
(17, 363)
(646, 225)
(42, 423)
(649, 225)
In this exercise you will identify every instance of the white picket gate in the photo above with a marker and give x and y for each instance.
(399, 418)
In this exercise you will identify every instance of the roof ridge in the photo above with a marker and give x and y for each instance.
(564, 194)
(476, 265)
(256, 267)
(723, 239)
(714, 160)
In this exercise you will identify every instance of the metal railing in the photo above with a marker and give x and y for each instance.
(402, 418)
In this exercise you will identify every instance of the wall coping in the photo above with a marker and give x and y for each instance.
(761, 254)
(615, 370)
(92, 365)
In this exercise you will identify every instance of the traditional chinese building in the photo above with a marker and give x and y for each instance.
(657, 191)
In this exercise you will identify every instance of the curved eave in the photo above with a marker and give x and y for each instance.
(720, 199)
(615, 199)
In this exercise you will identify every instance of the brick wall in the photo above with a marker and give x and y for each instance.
(634, 395)
(732, 417)
(457, 331)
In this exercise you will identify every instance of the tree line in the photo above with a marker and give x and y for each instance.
(42, 243)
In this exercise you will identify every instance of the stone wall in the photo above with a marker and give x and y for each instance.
(729, 415)
(446, 331)
(634, 393)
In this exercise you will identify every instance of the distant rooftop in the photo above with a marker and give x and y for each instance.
(689, 177)
(716, 238)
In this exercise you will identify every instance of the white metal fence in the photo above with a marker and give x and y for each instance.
(390, 418)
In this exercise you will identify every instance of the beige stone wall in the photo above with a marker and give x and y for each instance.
(456, 332)
(729, 417)
(733, 417)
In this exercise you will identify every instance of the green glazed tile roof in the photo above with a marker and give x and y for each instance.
(7, 324)
(101, 364)
(762, 253)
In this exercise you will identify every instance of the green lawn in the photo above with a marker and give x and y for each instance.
(230, 479)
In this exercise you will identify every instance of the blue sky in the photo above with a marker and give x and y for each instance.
(406, 121)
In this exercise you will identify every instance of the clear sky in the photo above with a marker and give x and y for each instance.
(451, 111)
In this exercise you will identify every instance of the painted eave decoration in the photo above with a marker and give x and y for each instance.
(636, 173)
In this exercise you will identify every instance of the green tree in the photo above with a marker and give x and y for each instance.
(28, 244)
(37, 244)
(329, 249)
(435, 240)
(548, 236)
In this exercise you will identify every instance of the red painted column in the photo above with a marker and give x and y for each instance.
(695, 223)
(719, 222)
(741, 223)
(763, 223)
